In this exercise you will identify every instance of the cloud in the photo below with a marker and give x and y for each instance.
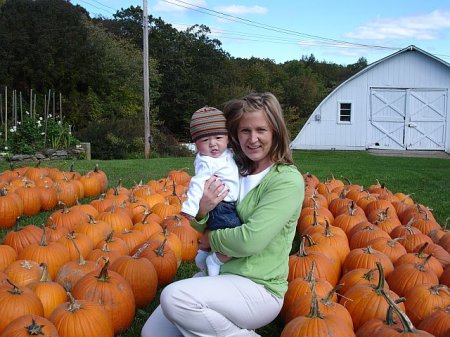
(239, 10)
(177, 6)
(421, 27)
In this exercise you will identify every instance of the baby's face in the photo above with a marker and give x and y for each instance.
(212, 146)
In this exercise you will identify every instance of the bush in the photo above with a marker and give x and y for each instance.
(34, 134)
(124, 139)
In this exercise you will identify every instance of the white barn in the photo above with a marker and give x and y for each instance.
(399, 103)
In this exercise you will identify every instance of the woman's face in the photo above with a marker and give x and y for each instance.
(255, 138)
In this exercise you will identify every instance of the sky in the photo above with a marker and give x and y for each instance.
(283, 30)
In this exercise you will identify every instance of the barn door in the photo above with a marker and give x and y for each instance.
(387, 118)
(425, 124)
(408, 119)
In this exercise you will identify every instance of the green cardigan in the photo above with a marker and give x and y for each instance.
(261, 245)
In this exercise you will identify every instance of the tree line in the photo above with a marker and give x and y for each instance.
(97, 65)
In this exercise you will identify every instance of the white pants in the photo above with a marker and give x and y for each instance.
(213, 306)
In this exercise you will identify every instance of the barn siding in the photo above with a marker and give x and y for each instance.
(406, 69)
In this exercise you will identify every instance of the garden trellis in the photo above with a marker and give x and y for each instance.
(15, 110)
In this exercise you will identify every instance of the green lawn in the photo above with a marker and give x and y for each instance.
(427, 179)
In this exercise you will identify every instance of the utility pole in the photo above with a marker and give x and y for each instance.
(147, 135)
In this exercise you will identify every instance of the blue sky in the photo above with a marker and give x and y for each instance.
(283, 30)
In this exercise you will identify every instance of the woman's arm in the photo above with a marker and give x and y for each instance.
(276, 203)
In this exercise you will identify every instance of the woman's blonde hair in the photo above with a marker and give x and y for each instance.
(280, 153)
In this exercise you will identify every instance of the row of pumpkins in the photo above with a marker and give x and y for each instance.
(371, 263)
(90, 266)
(369, 260)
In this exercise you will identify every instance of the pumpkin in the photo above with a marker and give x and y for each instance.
(147, 226)
(303, 285)
(48, 196)
(114, 244)
(391, 247)
(22, 237)
(9, 209)
(408, 275)
(96, 230)
(359, 276)
(7, 256)
(180, 226)
(16, 301)
(66, 191)
(417, 257)
(91, 184)
(163, 259)
(437, 323)
(140, 274)
(365, 301)
(367, 258)
(301, 262)
(173, 241)
(423, 299)
(408, 329)
(316, 324)
(363, 236)
(67, 217)
(50, 293)
(117, 218)
(30, 325)
(327, 306)
(111, 290)
(54, 254)
(70, 272)
(30, 198)
(82, 318)
(23, 272)
(83, 243)
(378, 326)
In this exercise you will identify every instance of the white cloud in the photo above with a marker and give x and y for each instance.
(239, 10)
(177, 6)
(422, 27)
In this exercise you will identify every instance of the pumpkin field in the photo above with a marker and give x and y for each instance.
(87, 246)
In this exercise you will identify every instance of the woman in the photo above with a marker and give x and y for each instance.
(249, 291)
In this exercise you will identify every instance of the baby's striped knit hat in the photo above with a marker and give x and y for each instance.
(207, 121)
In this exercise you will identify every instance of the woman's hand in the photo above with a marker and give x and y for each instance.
(213, 193)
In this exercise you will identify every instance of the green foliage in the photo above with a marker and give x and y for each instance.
(35, 133)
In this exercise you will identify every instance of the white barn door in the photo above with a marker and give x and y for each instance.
(405, 119)
(427, 115)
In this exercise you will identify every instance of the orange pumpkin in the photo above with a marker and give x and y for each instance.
(82, 318)
(30, 325)
(111, 290)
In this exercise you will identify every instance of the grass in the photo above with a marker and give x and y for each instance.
(426, 179)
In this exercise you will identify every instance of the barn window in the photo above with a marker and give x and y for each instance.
(345, 112)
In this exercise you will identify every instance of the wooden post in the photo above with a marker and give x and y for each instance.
(21, 111)
(60, 108)
(31, 102)
(6, 115)
(147, 134)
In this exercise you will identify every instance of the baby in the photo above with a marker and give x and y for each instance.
(209, 133)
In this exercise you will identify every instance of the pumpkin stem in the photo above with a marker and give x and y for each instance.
(15, 290)
(408, 327)
(389, 314)
(314, 311)
(81, 260)
(34, 329)
(138, 253)
(45, 277)
(329, 299)
(301, 251)
(73, 304)
(44, 236)
(160, 250)
(380, 285)
(103, 276)
(310, 277)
